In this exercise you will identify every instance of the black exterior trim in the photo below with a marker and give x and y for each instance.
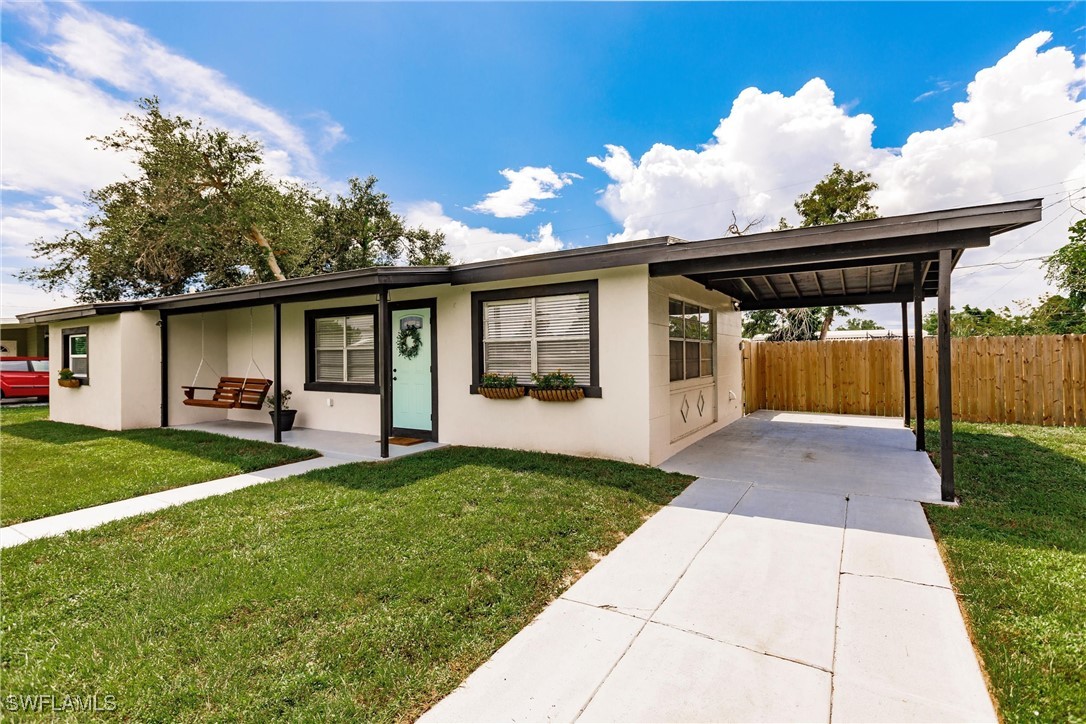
(589, 286)
(313, 385)
(65, 361)
(430, 304)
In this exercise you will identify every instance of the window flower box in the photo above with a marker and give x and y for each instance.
(556, 386)
(500, 387)
(571, 395)
(70, 383)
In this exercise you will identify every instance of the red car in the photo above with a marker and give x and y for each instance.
(24, 377)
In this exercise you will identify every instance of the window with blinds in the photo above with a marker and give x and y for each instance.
(538, 334)
(690, 340)
(344, 349)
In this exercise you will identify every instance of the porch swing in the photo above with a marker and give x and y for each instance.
(245, 393)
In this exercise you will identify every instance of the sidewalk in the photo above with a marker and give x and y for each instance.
(19, 533)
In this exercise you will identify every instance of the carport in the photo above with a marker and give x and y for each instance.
(899, 260)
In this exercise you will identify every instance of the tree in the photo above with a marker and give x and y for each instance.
(1067, 266)
(201, 213)
(858, 325)
(843, 195)
(1049, 315)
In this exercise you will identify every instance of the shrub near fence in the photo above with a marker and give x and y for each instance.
(1037, 380)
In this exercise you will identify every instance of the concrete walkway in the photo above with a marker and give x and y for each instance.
(785, 596)
(336, 448)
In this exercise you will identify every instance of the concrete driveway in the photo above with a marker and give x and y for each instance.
(795, 580)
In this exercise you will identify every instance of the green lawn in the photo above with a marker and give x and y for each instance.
(1016, 550)
(52, 467)
(361, 592)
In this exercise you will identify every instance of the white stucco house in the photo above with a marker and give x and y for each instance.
(650, 329)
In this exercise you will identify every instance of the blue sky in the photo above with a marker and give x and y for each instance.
(437, 99)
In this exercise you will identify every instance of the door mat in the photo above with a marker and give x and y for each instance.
(404, 440)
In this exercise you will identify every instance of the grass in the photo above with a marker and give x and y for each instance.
(1016, 550)
(53, 467)
(365, 591)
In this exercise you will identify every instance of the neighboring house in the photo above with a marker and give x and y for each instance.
(18, 339)
(650, 329)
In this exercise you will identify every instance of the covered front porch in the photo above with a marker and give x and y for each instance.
(352, 446)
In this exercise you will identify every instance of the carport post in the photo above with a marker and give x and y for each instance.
(918, 343)
(384, 365)
(164, 371)
(905, 361)
(277, 363)
(946, 423)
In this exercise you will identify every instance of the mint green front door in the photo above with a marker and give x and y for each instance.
(412, 401)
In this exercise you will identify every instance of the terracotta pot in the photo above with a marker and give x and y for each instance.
(557, 395)
(501, 393)
(71, 384)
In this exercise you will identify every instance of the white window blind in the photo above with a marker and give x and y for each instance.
(539, 334)
(344, 349)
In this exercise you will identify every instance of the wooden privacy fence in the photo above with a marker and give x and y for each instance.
(1038, 380)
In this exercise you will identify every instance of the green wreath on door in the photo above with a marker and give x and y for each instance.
(409, 342)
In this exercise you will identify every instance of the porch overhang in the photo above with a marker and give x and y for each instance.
(867, 262)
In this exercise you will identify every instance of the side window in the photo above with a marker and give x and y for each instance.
(76, 352)
(690, 341)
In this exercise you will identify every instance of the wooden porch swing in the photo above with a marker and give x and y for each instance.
(245, 393)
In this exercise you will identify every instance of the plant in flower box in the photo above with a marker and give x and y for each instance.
(67, 378)
(499, 387)
(555, 386)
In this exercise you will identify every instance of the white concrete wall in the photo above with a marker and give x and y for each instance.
(729, 368)
(184, 350)
(613, 426)
(123, 391)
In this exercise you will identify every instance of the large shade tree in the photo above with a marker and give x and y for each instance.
(201, 212)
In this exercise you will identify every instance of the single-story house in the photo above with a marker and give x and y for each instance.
(650, 329)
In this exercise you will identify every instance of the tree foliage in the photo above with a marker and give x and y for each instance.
(843, 195)
(202, 213)
(859, 325)
(1067, 266)
(1053, 314)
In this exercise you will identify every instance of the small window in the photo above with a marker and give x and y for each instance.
(39, 365)
(690, 341)
(13, 365)
(76, 351)
(342, 350)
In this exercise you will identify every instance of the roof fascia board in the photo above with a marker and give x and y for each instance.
(868, 249)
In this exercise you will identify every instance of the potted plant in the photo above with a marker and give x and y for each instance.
(499, 387)
(555, 387)
(286, 415)
(67, 378)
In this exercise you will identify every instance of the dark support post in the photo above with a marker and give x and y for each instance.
(164, 370)
(384, 335)
(946, 426)
(918, 343)
(277, 364)
(905, 361)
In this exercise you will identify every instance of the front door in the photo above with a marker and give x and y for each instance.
(412, 372)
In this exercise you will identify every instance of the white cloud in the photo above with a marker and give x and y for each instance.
(529, 184)
(1017, 134)
(476, 243)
